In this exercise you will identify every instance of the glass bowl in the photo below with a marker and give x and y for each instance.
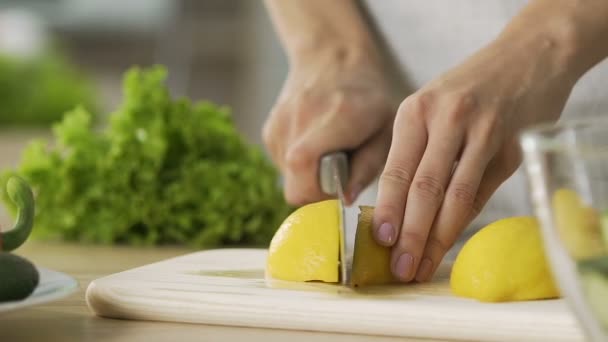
(567, 171)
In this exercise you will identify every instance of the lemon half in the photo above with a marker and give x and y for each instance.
(504, 261)
(306, 247)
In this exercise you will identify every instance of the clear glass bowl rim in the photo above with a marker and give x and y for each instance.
(541, 137)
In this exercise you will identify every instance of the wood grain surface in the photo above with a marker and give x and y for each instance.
(228, 287)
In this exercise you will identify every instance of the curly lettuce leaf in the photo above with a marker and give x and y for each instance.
(163, 171)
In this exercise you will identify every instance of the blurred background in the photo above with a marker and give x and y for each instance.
(55, 54)
(219, 50)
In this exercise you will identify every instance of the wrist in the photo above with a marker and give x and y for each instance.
(334, 51)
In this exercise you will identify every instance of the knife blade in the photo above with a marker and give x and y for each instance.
(334, 172)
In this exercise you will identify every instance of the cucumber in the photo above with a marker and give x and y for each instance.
(594, 278)
(18, 277)
(20, 193)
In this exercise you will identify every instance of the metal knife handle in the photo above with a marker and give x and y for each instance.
(326, 174)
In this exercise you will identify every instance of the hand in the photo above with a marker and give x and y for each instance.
(329, 104)
(455, 142)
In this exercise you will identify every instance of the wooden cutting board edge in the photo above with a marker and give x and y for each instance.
(107, 300)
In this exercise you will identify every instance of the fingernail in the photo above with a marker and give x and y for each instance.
(424, 272)
(404, 267)
(386, 233)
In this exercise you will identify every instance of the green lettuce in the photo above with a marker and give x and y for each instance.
(163, 171)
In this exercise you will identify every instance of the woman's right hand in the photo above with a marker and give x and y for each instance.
(330, 102)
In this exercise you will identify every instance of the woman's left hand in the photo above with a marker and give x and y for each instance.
(455, 141)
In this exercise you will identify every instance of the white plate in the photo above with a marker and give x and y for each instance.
(53, 285)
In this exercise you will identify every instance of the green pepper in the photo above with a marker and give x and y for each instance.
(20, 193)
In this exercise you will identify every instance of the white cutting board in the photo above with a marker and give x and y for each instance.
(227, 287)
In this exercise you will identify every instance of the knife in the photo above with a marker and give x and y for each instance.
(333, 174)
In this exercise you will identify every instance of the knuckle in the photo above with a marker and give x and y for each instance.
(463, 193)
(465, 100)
(341, 103)
(461, 106)
(396, 175)
(298, 157)
(429, 187)
(439, 244)
(456, 116)
(412, 238)
(416, 105)
(388, 212)
(296, 196)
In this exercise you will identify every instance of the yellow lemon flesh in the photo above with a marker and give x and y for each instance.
(504, 261)
(306, 247)
(578, 225)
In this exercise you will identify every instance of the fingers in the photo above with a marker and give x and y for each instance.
(424, 198)
(367, 163)
(407, 147)
(500, 168)
(273, 132)
(459, 201)
(331, 133)
(475, 180)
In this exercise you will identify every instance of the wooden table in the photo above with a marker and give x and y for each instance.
(70, 319)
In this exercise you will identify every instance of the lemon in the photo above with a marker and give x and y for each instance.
(504, 261)
(578, 225)
(371, 261)
(306, 247)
